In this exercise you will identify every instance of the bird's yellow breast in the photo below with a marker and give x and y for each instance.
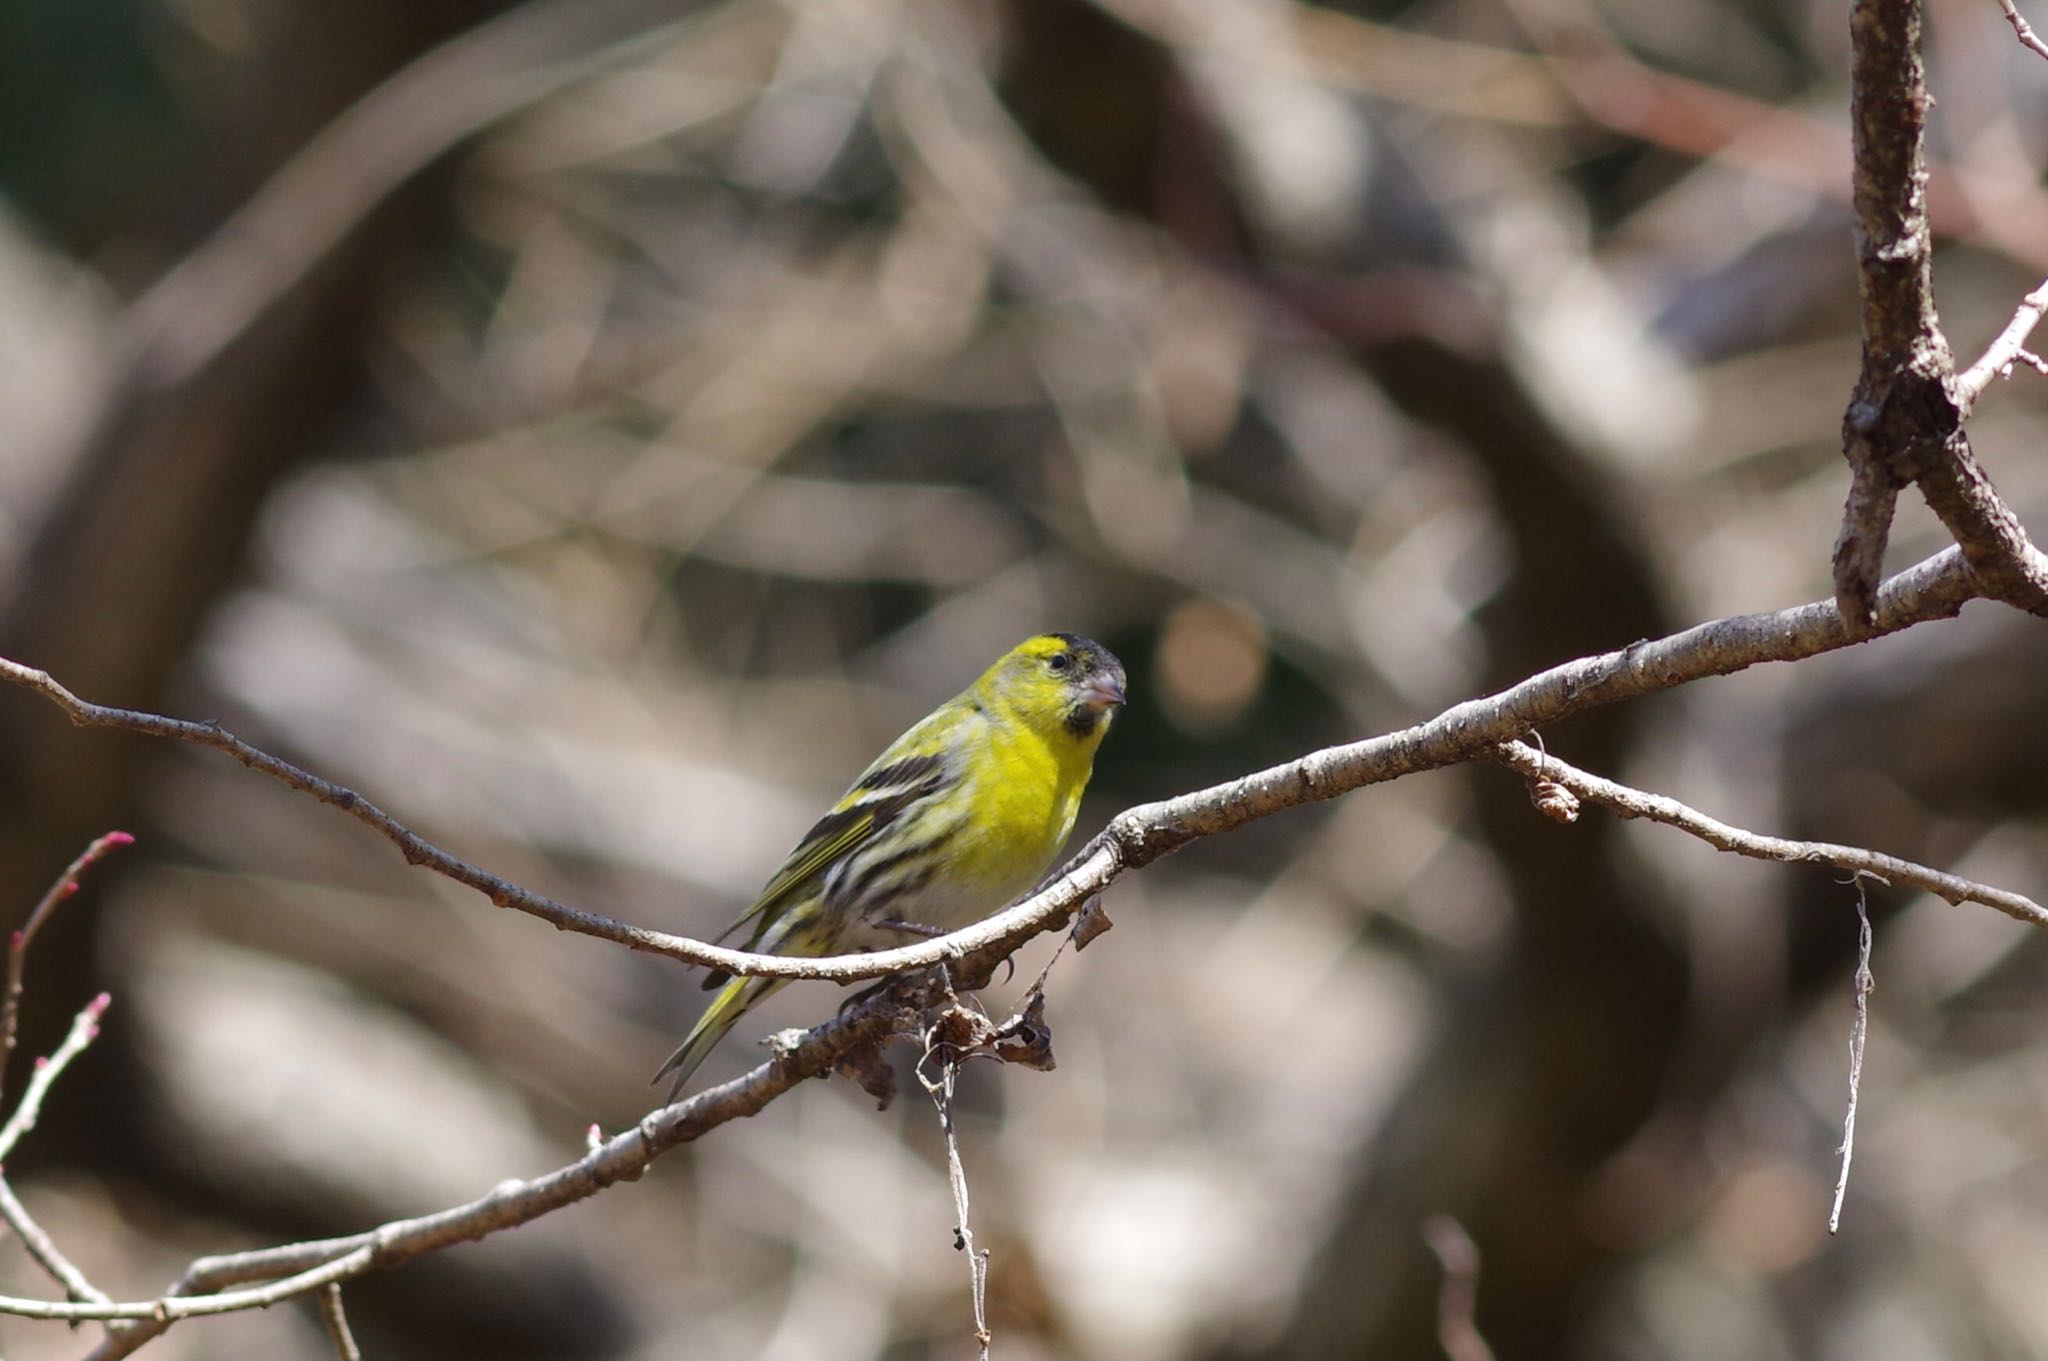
(1026, 793)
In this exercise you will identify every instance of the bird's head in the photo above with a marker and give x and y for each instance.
(1058, 683)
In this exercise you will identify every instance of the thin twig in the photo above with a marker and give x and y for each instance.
(2010, 347)
(44, 1248)
(952, 1035)
(1857, 1032)
(170, 1308)
(18, 944)
(2022, 29)
(85, 1028)
(336, 1320)
(941, 1091)
(1635, 803)
(1458, 1299)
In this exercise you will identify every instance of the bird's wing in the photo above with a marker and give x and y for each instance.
(864, 812)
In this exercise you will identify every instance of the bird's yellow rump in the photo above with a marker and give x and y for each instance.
(960, 816)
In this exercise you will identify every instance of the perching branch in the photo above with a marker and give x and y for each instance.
(1934, 589)
(1635, 803)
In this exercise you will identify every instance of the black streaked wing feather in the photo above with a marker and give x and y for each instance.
(864, 884)
(911, 770)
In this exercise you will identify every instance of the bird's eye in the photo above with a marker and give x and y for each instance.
(1060, 661)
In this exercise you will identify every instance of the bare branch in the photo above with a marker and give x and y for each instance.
(18, 944)
(623, 1157)
(1866, 529)
(1934, 589)
(1905, 358)
(1894, 244)
(1858, 1031)
(1635, 803)
(1904, 421)
(44, 1249)
(1991, 536)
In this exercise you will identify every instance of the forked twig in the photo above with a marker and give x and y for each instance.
(1637, 803)
(18, 944)
(44, 1249)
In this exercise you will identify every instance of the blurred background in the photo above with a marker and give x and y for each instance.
(592, 428)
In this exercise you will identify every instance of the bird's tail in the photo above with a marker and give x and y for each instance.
(734, 1000)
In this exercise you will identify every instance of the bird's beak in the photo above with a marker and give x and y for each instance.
(1101, 692)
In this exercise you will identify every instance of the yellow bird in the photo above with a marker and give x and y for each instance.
(956, 819)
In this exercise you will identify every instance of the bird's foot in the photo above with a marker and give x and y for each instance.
(918, 929)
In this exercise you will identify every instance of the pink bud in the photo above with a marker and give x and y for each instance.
(119, 838)
(15, 941)
(98, 1005)
(42, 1062)
(595, 1133)
(70, 887)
